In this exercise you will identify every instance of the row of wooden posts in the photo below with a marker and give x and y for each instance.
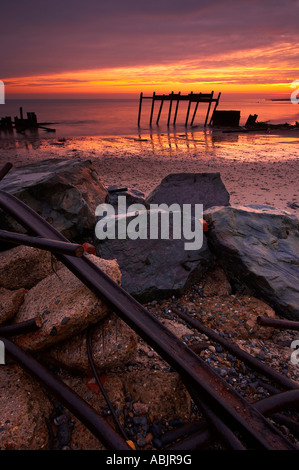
(177, 97)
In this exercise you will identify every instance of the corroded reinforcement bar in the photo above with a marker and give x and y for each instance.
(199, 434)
(213, 391)
(21, 328)
(54, 246)
(84, 412)
(278, 323)
(238, 352)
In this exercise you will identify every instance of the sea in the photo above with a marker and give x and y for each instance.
(115, 117)
(84, 127)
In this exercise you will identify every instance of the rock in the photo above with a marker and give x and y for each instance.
(259, 247)
(154, 267)
(65, 305)
(10, 302)
(133, 196)
(190, 188)
(113, 344)
(24, 411)
(163, 392)
(65, 192)
(24, 267)
(216, 283)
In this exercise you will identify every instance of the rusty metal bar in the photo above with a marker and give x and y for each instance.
(238, 352)
(212, 389)
(27, 326)
(278, 323)
(68, 397)
(200, 438)
(103, 391)
(65, 248)
(200, 433)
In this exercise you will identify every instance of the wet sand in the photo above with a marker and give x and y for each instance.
(256, 168)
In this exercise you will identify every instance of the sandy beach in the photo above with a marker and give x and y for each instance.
(256, 168)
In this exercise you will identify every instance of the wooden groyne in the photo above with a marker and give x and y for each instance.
(176, 98)
(21, 124)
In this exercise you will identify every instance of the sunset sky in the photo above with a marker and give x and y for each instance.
(93, 48)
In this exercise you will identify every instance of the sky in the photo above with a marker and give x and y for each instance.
(94, 48)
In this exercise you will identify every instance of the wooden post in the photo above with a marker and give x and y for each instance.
(196, 106)
(209, 109)
(188, 111)
(140, 104)
(159, 114)
(216, 104)
(152, 110)
(169, 112)
(176, 109)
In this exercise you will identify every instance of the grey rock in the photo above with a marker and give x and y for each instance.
(259, 246)
(155, 268)
(133, 196)
(190, 188)
(64, 192)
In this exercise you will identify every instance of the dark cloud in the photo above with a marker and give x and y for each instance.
(44, 37)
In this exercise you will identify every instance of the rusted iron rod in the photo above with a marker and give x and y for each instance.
(214, 391)
(68, 397)
(15, 329)
(103, 391)
(200, 433)
(182, 431)
(238, 352)
(278, 323)
(201, 438)
(5, 169)
(281, 402)
(54, 246)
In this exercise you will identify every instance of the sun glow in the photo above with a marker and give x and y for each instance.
(183, 76)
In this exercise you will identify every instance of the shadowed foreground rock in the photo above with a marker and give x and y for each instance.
(259, 246)
(66, 306)
(24, 267)
(64, 192)
(24, 410)
(113, 344)
(154, 268)
(190, 188)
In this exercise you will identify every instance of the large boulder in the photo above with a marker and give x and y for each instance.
(112, 342)
(24, 267)
(65, 306)
(64, 192)
(259, 247)
(190, 188)
(25, 410)
(155, 267)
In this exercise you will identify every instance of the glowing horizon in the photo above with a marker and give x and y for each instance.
(182, 77)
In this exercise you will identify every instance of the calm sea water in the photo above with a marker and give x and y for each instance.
(111, 117)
